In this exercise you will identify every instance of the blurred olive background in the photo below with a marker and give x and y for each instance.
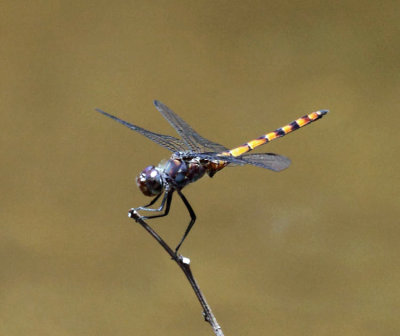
(312, 250)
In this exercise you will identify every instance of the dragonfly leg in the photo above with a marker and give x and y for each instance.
(166, 202)
(192, 219)
(154, 200)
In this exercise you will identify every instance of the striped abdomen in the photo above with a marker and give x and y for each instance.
(280, 132)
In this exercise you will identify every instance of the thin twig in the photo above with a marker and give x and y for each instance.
(184, 264)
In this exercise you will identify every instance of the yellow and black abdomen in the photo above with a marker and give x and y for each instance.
(278, 133)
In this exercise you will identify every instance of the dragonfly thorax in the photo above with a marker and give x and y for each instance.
(150, 181)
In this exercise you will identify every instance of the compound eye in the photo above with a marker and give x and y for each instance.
(150, 182)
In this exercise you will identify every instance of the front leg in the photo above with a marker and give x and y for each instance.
(165, 203)
(154, 200)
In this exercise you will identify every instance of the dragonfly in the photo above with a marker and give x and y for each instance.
(194, 156)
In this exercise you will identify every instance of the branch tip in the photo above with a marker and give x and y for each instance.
(184, 264)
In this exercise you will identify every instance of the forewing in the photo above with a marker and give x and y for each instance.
(167, 141)
(192, 139)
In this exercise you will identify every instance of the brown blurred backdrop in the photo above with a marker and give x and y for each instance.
(310, 251)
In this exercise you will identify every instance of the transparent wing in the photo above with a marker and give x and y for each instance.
(167, 141)
(211, 156)
(190, 137)
(270, 161)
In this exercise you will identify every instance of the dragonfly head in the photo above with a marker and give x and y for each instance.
(150, 181)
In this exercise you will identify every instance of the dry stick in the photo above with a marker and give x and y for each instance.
(184, 264)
